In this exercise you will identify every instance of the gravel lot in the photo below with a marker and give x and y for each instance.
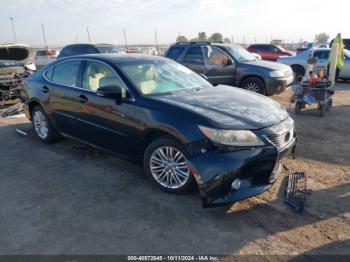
(66, 198)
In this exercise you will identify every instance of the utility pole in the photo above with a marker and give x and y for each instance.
(156, 38)
(43, 30)
(13, 30)
(88, 33)
(126, 43)
(76, 39)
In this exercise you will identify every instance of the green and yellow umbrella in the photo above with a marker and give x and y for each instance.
(336, 57)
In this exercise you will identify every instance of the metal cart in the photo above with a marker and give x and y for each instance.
(320, 94)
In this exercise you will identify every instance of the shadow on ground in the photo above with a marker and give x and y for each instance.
(70, 199)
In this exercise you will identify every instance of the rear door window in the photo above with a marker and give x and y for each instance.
(175, 52)
(194, 55)
(321, 54)
(66, 73)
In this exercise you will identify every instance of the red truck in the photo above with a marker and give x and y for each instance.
(268, 52)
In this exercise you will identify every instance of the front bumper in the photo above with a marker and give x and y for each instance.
(278, 85)
(215, 170)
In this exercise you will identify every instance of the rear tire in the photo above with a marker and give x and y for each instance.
(165, 164)
(254, 84)
(42, 126)
(298, 107)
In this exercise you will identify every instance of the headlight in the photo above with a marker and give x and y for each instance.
(276, 74)
(232, 137)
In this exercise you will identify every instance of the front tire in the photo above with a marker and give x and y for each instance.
(165, 164)
(42, 126)
(254, 84)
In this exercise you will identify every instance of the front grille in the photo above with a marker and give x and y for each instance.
(284, 136)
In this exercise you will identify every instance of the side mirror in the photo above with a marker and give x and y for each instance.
(116, 92)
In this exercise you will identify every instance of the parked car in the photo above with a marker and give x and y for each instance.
(16, 62)
(299, 62)
(269, 52)
(84, 49)
(154, 111)
(232, 65)
(44, 57)
(346, 42)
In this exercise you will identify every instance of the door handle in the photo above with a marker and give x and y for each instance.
(45, 89)
(83, 99)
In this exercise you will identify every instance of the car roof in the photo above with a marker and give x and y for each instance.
(118, 58)
(182, 44)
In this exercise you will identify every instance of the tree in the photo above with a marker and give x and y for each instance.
(202, 36)
(322, 38)
(181, 38)
(216, 37)
(227, 40)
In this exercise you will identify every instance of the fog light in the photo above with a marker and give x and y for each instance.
(236, 184)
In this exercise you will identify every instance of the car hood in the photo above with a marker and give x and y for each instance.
(268, 65)
(229, 107)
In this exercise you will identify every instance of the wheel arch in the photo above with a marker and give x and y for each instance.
(152, 134)
(32, 104)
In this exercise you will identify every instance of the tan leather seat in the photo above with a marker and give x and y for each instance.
(148, 83)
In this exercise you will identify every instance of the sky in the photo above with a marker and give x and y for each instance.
(65, 21)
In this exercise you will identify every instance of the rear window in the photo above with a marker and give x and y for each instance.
(175, 52)
(108, 49)
(13, 53)
(67, 51)
(41, 53)
(65, 73)
(85, 49)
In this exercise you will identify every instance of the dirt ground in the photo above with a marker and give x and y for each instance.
(69, 199)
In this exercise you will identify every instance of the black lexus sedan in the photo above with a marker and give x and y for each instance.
(226, 141)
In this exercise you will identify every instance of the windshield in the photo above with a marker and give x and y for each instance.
(239, 53)
(157, 77)
(108, 49)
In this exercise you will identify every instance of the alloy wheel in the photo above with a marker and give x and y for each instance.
(169, 167)
(40, 124)
(252, 86)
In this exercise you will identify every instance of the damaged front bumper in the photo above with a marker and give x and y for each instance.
(216, 170)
